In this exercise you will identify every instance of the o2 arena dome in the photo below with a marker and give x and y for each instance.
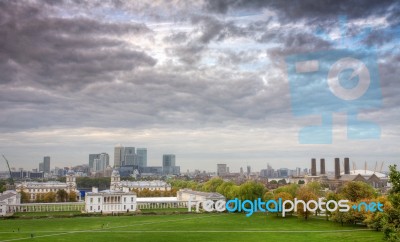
(366, 173)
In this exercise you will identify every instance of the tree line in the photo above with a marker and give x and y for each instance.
(49, 197)
(356, 192)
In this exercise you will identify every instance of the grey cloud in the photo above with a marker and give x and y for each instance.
(64, 52)
(309, 9)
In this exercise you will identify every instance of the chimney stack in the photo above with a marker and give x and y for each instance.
(337, 168)
(346, 165)
(322, 163)
(313, 167)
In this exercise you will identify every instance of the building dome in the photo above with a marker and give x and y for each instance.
(115, 173)
(366, 173)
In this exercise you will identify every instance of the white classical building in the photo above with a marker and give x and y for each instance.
(110, 201)
(36, 188)
(117, 184)
(7, 199)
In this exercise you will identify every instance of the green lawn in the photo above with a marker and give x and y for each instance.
(183, 227)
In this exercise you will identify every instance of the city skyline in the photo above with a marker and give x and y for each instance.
(206, 81)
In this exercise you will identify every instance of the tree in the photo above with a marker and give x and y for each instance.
(284, 196)
(212, 184)
(331, 196)
(268, 196)
(25, 197)
(355, 191)
(72, 196)
(300, 182)
(49, 197)
(62, 195)
(391, 221)
(251, 190)
(341, 217)
(282, 181)
(291, 189)
(225, 189)
(306, 194)
(39, 198)
(394, 193)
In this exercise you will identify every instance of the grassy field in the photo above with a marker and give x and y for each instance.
(182, 227)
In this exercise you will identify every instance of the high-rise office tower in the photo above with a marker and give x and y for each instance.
(142, 157)
(91, 161)
(118, 155)
(169, 165)
(168, 160)
(46, 164)
(41, 167)
(101, 162)
(129, 156)
(221, 169)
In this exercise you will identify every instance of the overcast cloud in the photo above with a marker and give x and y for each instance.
(204, 80)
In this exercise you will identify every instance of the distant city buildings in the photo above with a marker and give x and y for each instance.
(129, 156)
(118, 155)
(131, 161)
(22, 174)
(46, 164)
(99, 162)
(142, 157)
(169, 166)
(222, 169)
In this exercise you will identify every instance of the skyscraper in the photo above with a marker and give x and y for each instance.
(92, 157)
(168, 160)
(169, 166)
(46, 164)
(118, 155)
(101, 163)
(129, 157)
(142, 157)
(41, 167)
(222, 169)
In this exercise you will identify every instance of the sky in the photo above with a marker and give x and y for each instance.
(206, 80)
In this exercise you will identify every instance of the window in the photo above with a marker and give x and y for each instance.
(98, 200)
(131, 199)
(91, 208)
(98, 208)
(131, 206)
(124, 207)
(91, 201)
(124, 199)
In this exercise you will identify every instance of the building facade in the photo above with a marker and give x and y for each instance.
(118, 155)
(35, 189)
(7, 199)
(118, 185)
(46, 164)
(110, 201)
(142, 157)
